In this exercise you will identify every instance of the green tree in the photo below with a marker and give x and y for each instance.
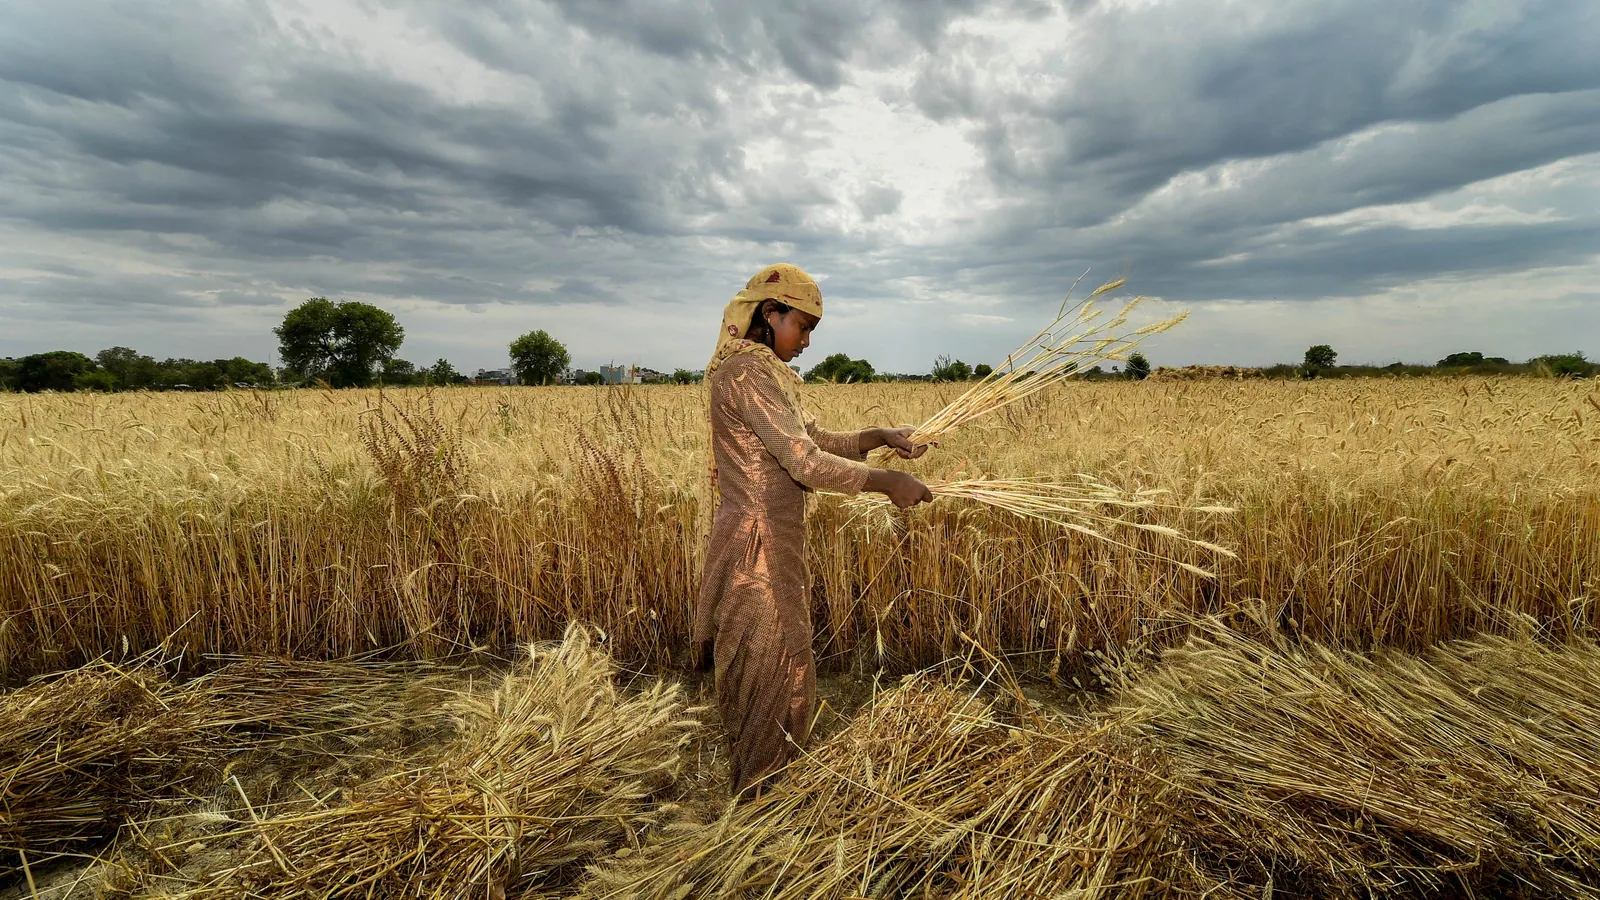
(399, 373)
(1320, 356)
(539, 358)
(239, 371)
(57, 370)
(825, 370)
(198, 374)
(946, 370)
(180, 374)
(982, 370)
(1138, 367)
(592, 378)
(684, 376)
(1455, 360)
(95, 380)
(859, 371)
(842, 369)
(133, 371)
(8, 374)
(1564, 364)
(441, 372)
(342, 343)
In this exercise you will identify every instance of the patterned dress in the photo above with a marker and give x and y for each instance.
(755, 605)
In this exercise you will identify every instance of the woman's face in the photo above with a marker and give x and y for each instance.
(791, 332)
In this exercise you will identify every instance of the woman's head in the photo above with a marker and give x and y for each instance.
(783, 328)
(778, 308)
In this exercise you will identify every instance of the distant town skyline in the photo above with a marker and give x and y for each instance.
(1399, 180)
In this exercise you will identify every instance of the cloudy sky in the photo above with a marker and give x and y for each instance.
(1399, 178)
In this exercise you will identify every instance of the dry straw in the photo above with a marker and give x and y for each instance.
(1234, 769)
(86, 752)
(82, 753)
(1085, 507)
(556, 767)
(1465, 772)
(930, 793)
(1069, 345)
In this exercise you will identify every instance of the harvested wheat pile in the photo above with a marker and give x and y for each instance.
(1232, 769)
(1472, 770)
(84, 753)
(553, 768)
(931, 792)
(81, 753)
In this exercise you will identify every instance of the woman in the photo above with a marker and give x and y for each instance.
(754, 615)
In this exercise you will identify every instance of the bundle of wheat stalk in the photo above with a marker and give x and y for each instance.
(1233, 769)
(553, 768)
(83, 753)
(929, 793)
(1084, 506)
(1074, 341)
(1471, 770)
(1069, 345)
(266, 700)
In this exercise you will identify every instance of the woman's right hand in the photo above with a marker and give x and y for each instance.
(903, 489)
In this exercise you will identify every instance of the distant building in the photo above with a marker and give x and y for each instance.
(615, 374)
(494, 376)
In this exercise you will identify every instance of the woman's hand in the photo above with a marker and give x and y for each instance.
(904, 490)
(899, 439)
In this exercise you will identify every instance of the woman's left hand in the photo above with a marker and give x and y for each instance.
(900, 440)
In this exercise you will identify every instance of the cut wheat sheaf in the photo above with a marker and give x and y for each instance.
(1080, 337)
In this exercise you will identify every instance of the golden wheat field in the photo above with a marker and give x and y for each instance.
(1387, 689)
(322, 524)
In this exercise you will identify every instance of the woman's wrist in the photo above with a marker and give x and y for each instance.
(882, 481)
(870, 440)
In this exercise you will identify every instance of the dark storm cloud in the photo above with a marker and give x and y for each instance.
(813, 39)
(1150, 92)
(167, 163)
(1308, 109)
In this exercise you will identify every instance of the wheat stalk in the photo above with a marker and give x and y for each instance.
(1075, 340)
(1085, 506)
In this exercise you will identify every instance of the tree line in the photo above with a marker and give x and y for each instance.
(1321, 361)
(123, 369)
(352, 344)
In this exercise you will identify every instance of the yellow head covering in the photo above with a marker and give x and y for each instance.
(786, 284)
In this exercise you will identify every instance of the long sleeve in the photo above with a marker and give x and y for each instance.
(759, 402)
(840, 443)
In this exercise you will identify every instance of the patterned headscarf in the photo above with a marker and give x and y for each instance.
(786, 284)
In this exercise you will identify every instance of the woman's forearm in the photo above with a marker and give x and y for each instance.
(870, 439)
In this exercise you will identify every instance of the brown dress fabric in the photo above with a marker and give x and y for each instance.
(754, 608)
